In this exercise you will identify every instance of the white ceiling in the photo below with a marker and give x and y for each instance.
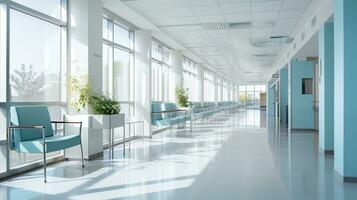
(230, 51)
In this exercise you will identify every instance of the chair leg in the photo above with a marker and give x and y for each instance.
(82, 156)
(44, 167)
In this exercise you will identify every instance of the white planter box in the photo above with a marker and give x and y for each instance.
(107, 121)
(92, 133)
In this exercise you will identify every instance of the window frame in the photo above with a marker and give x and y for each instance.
(118, 21)
(5, 86)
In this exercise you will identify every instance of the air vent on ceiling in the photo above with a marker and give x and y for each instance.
(226, 26)
(313, 22)
(303, 36)
(265, 55)
(275, 76)
(273, 41)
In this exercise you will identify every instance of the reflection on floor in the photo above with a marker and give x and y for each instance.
(223, 159)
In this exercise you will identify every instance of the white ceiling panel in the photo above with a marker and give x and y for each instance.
(178, 12)
(206, 10)
(231, 18)
(211, 18)
(287, 22)
(291, 14)
(177, 21)
(265, 15)
(234, 8)
(263, 6)
(295, 4)
(201, 2)
(159, 4)
(233, 48)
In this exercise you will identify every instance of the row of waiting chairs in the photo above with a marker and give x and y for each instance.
(168, 114)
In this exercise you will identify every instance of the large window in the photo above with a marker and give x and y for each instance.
(225, 88)
(219, 88)
(118, 64)
(35, 59)
(249, 95)
(160, 72)
(33, 68)
(209, 86)
(190, 79)
(118, 67)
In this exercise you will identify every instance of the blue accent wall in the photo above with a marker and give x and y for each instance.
(283, 95)
(270, 99)
(302, 116)
(345, 94)
(326, 103)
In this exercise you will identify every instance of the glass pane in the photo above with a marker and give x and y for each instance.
(121, 75)
(250, 100)
(48, 7)
(165, 55)
(155, 51)
(107, 33)
(242, 88)
(121, 36)
(35, 59)
(263, 88)
(250, 88)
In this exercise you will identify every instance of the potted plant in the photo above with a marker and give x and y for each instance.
(106, 112)
(103, 112)
(182, 96)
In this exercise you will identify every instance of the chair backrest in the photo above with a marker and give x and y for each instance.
(155, 107)
(30, 116)
(169, 107)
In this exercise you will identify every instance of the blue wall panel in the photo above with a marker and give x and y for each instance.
(283, 95)
(301, 104)
(345, 95)
(326, 103)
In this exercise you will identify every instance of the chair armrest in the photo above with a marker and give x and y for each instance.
(9, 128)
(25, 127)
(65, 122)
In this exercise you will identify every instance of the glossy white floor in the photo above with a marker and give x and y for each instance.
(233, 157)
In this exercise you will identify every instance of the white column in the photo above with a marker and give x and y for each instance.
(215, 81)
(200, 86)
(176, 72)
(221, 92)
(85, 58)
(234, 92)
(229, 91)
(143, 40)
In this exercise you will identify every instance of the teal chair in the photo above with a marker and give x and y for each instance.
(30, 131)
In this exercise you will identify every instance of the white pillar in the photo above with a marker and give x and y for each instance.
(143, 78)
(176, 72)
(221, 90)
(215, 81)
(234, 92)
(200, 86)
(85, 58)
(229, 91)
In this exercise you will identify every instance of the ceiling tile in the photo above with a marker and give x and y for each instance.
(178, 21)
(201, 2)
(295, 4)
(178, 12)
(265, 15)
(211, 19)
(235, 8)
(230, 18)
(206, 10)
(263, 6)
(291, 14)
